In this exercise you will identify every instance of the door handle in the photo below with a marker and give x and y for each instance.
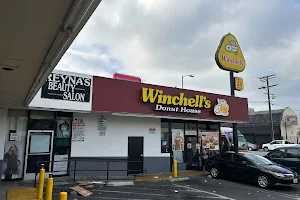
(142, 155)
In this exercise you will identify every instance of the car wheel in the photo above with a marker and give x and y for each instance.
(266, 149)
(250, 149)
(263, 181)
(214, 172)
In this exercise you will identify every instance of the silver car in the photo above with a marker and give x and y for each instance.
(253, 147)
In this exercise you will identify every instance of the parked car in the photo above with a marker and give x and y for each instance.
(276, 144)
(250, 167)
(227, 140)
(286, 156)
(253, 147)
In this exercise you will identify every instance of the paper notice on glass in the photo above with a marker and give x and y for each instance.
(177, 140)
(60, 167)
(78, 132)
(191, 132)
(210, 140)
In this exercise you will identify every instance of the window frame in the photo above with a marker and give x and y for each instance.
(283, 153)
(293, 149)
(240, 156)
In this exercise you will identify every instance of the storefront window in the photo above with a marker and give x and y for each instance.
(214, 127)
(178, 141)
(191, 129)
(62, 142)
(165, 147)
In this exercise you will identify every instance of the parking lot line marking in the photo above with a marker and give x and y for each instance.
(141, 188)
(271, 192)
(203, 191)
(164, 195)
(116, 198)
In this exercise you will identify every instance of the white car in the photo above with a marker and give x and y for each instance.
(276, 144)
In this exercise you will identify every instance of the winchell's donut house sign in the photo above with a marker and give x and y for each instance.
(182, 104)
(67, 87)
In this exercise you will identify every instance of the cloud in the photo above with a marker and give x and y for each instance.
(161, 40)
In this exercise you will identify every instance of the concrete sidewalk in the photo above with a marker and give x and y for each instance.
(166, 176)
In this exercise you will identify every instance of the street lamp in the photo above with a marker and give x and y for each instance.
(182, 77)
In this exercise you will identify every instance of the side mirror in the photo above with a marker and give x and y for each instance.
(244, 162)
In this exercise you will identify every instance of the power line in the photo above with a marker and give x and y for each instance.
(267, 86)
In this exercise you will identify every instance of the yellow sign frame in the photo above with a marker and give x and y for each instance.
(229, 55)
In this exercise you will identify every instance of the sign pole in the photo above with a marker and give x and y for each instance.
(229, 57)
(234, 125)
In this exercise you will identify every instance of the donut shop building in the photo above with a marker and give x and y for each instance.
(153, 124)
(115, 119)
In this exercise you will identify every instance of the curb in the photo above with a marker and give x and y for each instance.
(179, 179)
(118, 184)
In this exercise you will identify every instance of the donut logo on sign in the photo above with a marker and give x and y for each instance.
(231, 47)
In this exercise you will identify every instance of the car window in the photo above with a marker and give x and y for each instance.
(226, 156)
(292, 153)
(276, 142)
(258, 160)
(238, 158)
(278, 153)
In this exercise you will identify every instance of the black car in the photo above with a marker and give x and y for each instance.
(250, 167)
(286, 156)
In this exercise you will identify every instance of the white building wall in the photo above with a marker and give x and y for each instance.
(289, 132)
(115, 141)
(56, 104)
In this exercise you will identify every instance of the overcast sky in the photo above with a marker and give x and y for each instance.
(160, 40)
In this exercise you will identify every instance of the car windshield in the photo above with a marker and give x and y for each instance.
(242, 142)
(258, 160)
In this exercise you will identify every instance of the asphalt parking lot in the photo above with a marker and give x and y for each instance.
(201, 187)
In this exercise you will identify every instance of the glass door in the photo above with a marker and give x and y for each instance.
(39, 148)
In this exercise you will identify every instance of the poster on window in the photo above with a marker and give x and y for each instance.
(210, 140)
(60, 166)
(177, 140)
(13, 152)
(63, 129)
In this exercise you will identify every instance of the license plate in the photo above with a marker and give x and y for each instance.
(295, 180)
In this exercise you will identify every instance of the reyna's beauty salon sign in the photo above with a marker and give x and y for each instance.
(67, 87)
(181, 103)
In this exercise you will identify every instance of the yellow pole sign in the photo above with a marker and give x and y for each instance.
(239, 83)
(229, 55)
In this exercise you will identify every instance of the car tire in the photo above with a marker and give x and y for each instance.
(215, 172)
(266, 149)
(263, 181)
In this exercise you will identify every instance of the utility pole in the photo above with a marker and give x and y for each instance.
(266, 79)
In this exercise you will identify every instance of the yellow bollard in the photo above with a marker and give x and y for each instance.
(63, 196)
(175, 168)
(49, 188)
(41, 183)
